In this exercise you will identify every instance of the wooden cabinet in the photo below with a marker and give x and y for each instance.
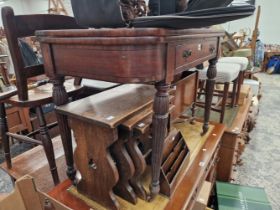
(230, 148)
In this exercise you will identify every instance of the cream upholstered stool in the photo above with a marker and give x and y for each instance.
(243, 62)
(226, 73)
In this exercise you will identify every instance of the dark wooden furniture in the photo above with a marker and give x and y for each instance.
(129, 56)
(200, 168)
(230, 150)
(23, 26)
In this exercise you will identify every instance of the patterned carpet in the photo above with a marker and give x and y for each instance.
(261, 159)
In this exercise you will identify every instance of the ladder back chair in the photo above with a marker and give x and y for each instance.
(17, 27)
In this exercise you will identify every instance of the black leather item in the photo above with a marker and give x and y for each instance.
(164, 7)
(185, 21)
(219, 11)
(207, 4)
(98, 13)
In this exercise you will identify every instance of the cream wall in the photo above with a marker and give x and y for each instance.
(269, 22)
(32, 6)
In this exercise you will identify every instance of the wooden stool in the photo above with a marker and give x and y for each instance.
(243, 62)
(226, 73)
(101, 157)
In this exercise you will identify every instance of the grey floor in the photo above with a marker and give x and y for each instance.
(261, 159)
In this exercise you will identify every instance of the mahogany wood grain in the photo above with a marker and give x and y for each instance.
(126, 168)
(97, 172)
(136, 55)
(98, 108)
(140, 166)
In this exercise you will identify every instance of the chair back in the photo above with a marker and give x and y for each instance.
(20, 26)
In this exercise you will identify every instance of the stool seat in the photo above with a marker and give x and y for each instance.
(243, 61)
(226, 72)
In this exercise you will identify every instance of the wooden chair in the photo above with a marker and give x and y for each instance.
(24, 26)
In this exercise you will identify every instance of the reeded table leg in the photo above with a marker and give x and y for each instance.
(210, 84)
(60, 97)
(159, 129)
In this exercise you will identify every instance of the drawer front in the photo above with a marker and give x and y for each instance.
(196, 50)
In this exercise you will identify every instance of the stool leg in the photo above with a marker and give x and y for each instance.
(4, 137)
(224, 101)
(234, 93)
(240, 82)
(200, 88)
(210, 85)
(47, 144)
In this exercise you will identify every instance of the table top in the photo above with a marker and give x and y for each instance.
(111, 107)
(127, 32)
(126, 55)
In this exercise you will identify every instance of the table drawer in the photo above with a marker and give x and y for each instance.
(195, 50)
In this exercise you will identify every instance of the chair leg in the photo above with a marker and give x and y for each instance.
(240, 82)
(4, 136)
(47, 144)
(224, 101)
(234, 93)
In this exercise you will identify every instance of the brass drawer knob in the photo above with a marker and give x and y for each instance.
(212, 49)
(187, 53)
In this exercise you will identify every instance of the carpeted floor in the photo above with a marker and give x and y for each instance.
(261, 159)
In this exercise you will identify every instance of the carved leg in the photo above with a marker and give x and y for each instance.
(140, 166)
(159, 128)
(126, 170)
(4, 137)
(47, 144)
(60, 97)
(210, 84)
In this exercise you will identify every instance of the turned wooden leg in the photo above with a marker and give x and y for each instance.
(4, 137)
(240, 82)
(47, 144)
(224, 102)
(210, 84)
(234, 93)
(159, 128)
(60, 97)
(126, 170)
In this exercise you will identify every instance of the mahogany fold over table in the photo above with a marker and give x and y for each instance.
(143, 55)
